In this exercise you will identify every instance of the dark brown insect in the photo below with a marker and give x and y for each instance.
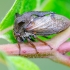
(35, 23)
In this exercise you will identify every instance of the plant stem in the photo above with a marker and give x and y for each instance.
(60, 38)
(57, 53)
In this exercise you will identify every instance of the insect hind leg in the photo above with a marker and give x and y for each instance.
(42, 41)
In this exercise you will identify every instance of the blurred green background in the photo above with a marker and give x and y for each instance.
(43, 63)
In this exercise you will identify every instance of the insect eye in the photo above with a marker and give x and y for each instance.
(20, 24)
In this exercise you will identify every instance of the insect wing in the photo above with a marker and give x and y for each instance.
(48, 25)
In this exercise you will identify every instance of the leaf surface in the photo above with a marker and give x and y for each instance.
(22, 6)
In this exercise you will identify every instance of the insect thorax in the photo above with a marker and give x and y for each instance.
(27, 34)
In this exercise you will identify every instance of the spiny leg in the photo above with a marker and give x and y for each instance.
(42, 41)
(32, 45)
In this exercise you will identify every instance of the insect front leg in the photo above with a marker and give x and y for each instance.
(19, 41)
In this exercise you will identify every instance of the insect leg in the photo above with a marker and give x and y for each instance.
(42, 41)
(32, 45)
(18, 40)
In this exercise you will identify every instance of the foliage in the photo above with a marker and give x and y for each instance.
(16, 63)
(21, 6)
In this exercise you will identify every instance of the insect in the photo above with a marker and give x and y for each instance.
(34, 23)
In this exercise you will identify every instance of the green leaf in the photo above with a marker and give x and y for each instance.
(16, 63)
(23, 63)
(5, 63)
(60, 7)
(21, 6)
(6, 26)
